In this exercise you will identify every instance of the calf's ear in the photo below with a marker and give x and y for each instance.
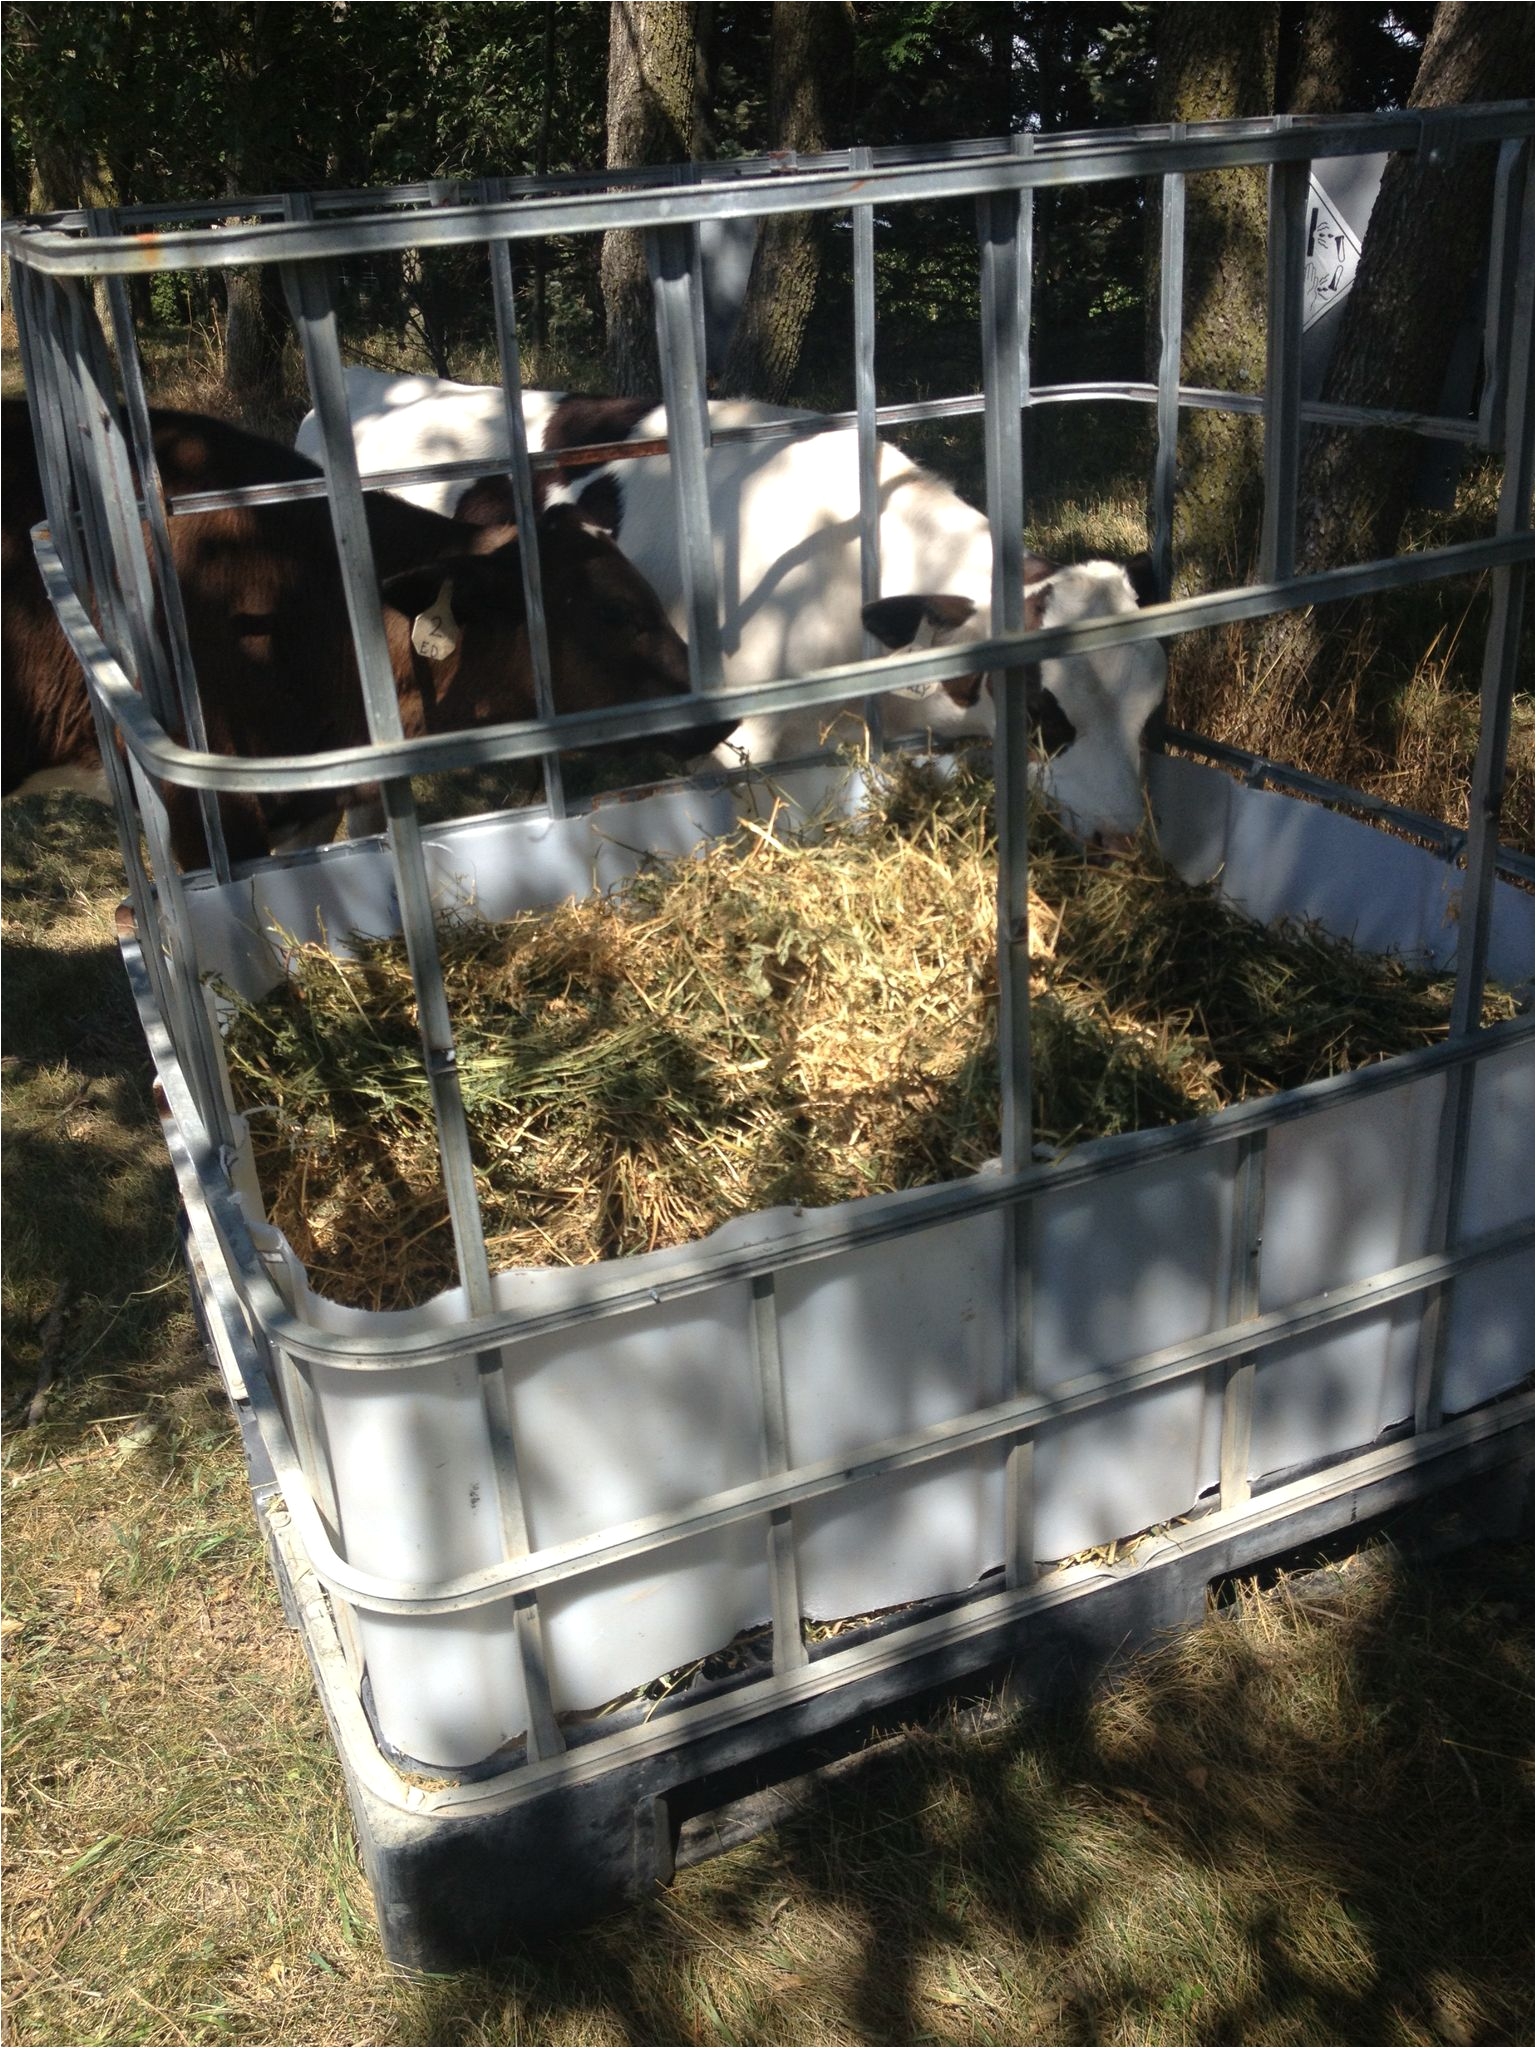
(426, 597)
(1142, 571)
(899, 621)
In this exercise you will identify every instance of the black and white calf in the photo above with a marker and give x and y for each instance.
(785, 520)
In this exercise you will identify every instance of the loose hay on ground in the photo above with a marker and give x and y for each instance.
(777, 1020)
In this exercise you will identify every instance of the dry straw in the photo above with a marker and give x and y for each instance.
(777, 1020)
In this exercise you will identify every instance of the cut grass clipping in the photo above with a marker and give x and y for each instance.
(777, 1020)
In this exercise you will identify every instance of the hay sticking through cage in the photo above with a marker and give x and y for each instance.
(776, 1020)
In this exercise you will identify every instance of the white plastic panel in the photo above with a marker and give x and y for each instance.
(634, 1416)
(415, 1489)
(1491, 1332)
(1348, 1195)
(877, 1343)
(1125, 1268)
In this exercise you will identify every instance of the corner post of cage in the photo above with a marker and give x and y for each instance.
(1511, 200)
(860, 162)
(789, 1651)
(38, 305)
(1502, 669)
(998, 230)
(314, 313)
(521, 472)
(183, 674)
(1288, 192)
(1170, 343)
(125, 596)
(670, 256)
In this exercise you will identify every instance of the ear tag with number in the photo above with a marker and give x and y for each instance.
(435, 631)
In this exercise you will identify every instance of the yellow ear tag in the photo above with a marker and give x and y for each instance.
(435, 632)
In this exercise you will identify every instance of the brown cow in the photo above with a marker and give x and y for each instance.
(268, 634)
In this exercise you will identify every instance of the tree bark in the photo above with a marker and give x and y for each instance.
(1218, 63)
(656, 111)
(1428, 233)
(812, 51)
(1426, 240)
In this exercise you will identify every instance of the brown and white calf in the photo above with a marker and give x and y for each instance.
(785, 520)
(270, 645)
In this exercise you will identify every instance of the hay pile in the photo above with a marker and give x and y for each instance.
(776, 1022)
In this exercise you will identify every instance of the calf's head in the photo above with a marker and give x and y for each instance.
(459, 631)
(1088, 713)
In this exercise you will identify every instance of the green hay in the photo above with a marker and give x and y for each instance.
(778, 1021)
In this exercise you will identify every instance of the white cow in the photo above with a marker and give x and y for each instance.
(785, 521)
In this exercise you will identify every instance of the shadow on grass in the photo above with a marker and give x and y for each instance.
(1308, 1821)
(94, 1301)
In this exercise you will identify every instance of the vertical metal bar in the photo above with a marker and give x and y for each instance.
(125, 594)
(861, 160)
(789, 1651)
(173, 611)
(1503, 263)
(310, 296)
(523, 499)
(669, 254)
(1288, 191)
(998, 221)
(1236, 1376)
(1170, 332)
(1023, 145)
(1502, 670)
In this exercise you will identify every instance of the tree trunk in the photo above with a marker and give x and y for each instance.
(1218, 63)
(656, 94)
(812, 52)
(1427, 236)
(254, 317)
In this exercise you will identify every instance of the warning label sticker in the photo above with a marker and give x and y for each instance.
(1333, 257)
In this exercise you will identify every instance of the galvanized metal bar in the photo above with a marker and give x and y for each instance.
(1509, 203)
(865, 402)
(1002, 367)
(789, 1650)
(1170, 327)
(174, 612)
(1073, 160)
(525, 503)
(1447, 842)
(1237, 1375)
(125, 595)
(441, 191)
(315, 315)
(1289, 190)
(1503, 669)
(435, 752)
(670, 253)
(808, 426)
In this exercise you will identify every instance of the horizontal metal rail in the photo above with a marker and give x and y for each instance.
(436, 192)
(1448, 841)
(809, 425)
(1078, 161)
(436, 752)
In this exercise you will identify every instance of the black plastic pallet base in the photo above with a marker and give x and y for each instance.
(511, 1867)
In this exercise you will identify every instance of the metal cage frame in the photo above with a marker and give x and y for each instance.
(105, 549)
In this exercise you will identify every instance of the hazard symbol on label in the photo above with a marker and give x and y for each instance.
(1333, 257)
